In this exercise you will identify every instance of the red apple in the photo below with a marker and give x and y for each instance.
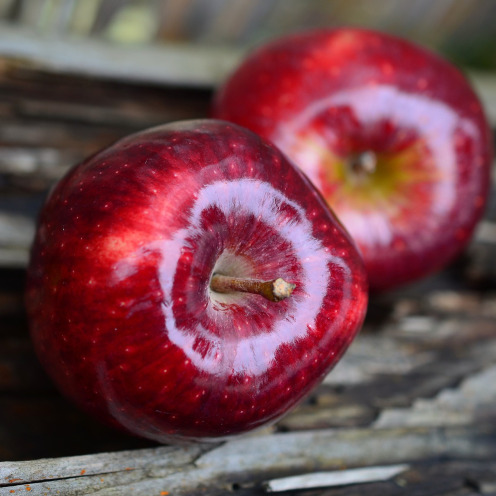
(135, 286)
(392, 135)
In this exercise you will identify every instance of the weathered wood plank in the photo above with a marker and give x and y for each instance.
(239, 461)
(178, 64)
(99, 464)
(472, 401)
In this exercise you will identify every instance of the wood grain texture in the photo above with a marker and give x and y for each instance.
(181, 470)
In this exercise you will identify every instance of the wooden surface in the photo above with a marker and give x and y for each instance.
(416, 392)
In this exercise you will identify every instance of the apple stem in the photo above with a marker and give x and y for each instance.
(275, 290)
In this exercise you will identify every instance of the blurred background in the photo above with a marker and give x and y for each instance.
(463, 30)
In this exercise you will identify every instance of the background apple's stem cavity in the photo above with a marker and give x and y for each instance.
(363, 164)
(275, 290)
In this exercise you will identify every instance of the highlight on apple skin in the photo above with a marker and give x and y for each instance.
(392, 135)
(140, 296)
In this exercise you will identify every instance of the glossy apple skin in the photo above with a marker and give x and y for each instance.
(118, 295)
(324, 97)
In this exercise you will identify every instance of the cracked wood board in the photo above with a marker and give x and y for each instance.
(239, 461)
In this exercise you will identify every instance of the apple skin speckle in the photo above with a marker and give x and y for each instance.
(371, 92)
(135, 336)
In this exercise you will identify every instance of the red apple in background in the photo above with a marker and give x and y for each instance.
(392, 135)
(150, 283)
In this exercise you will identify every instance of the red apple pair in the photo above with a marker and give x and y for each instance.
(392, 135)
(189, 282)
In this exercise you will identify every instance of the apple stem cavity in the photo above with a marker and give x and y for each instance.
(363, 164)
(274, 290)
